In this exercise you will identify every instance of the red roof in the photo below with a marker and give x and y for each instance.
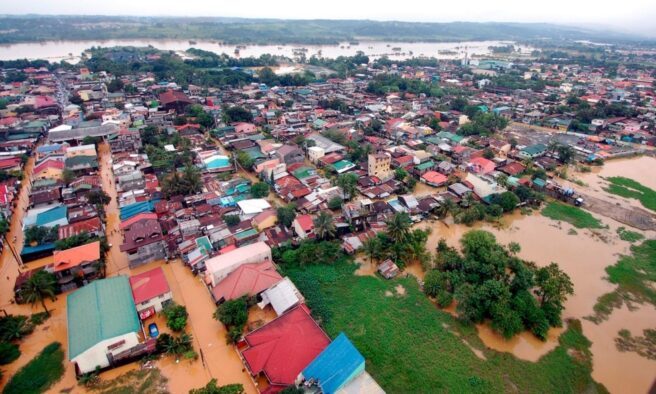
(90, 226)
(129, 222)
(481, 165)
(148, 285)
(69, 258)
(44, 101)
(284, 347)
(306, 222)
(172, 96)
(49, 164)
(10, 162)
(248, 279)
(434, 177)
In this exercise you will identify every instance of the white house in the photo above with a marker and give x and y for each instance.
(220, 266)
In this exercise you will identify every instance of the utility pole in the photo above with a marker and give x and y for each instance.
(13, 251)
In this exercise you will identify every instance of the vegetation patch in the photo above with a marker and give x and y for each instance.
(213, 388)
(634, 276)
(571, 214)
(629, 236)
(40, 373)
(644, 345)
(408, 349)
(144, 381)
(628, 188)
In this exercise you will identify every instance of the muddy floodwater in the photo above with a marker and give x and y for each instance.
(584, 255)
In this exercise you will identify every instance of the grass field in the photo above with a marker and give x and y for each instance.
(628, 235)
(634, 276)
(629, 188)
(40, 373)
(573, 215)
(411, 347)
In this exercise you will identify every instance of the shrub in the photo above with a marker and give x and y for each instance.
(176, 316)
(8, 352)
(233, 313)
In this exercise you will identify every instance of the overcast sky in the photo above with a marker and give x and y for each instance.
(625, 15)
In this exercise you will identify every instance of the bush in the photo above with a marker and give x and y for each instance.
(176, 316)
(231, 220)
(40, 373)
(233, 313)
(335, 203)
(14, 327)
(8, 352)
(259, 190)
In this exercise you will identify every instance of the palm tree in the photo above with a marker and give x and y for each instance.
(372, 247)
(324, 226)
(398, 227)
(38, 288)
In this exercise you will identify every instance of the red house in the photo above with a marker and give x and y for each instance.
(281, 349)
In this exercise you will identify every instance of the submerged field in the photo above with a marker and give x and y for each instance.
(411, 346)
(573, 215)
(629, 188)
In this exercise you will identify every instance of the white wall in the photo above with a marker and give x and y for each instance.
(156, 302)
(97, 355)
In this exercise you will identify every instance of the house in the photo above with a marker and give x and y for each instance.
(143, 240)
(218, 267)
(253, 206)
(150, 292)
(264, 220)
(303, 226)
(81, 150)
(247, 280)
(378, 165)
(174, 100)
(388, 269)
(74, 267)
(434, 178)
(533, 151)
(91, 226)
(335, 368)
(81, 163)
(282, 296)
(480, 165)
(50, 168)
(290, 154)
(52, 217)
(281, 349)
(102, 324)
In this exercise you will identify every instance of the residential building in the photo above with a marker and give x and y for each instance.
(378, 165)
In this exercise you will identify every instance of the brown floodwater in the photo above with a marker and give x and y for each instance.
(584, 255)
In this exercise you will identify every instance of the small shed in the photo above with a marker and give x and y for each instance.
(388, 269)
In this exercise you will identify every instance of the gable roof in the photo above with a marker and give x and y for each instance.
(248, 279)
(148, 285)
(90, 226)
(336, 365)
(283, 347)
(52, 215)
(101, 310)
(65, 259)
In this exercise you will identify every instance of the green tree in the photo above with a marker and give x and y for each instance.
(176, 316)
(245, 160)
(39, 287)
(213, 388)
(9, 352)
(373, 248)
(260, 190)
(398, 227)
(68, 176)
(236, 114)
(348, 183)
(335, 203)
(507, 200)
(324, 225)
(286, 214)
(400, 174)
(115, 85)
(231, 220)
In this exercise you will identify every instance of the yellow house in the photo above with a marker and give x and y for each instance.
(49, 169)
(265, 220)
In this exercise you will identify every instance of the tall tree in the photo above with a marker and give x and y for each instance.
(39, 287)
(372, 248)
(398, 227)
(324, 226)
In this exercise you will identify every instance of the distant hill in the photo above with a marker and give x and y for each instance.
(31, 28)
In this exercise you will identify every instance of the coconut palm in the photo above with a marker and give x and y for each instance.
(398, 227)
(324, 226)
(41, 286)
(372, 248)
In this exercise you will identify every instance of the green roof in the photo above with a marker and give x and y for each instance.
(535, 149)
(426, 165)
(245, 234)
(342, 164)
(101, 310)
(52, 215)
(91, 161)
(450, 136)
(204, 244)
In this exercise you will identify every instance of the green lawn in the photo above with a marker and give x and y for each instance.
(575, 216)
(634, 276)
(629, 188)
(410, 345)
(40, 373)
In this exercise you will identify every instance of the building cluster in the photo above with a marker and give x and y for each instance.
(185, 164)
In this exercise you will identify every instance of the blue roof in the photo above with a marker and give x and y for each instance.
(138, 207)
(336, 365)
(37, 249)
(51, 215)
(48, 148)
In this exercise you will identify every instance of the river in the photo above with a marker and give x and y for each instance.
(71, 50)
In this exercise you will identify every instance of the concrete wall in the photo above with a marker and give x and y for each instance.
(97, 355)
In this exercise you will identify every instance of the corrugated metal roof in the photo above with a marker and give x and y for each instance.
(101, 310)
(336, 365)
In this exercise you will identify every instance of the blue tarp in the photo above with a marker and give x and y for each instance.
(336, 365)
(138, 207)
